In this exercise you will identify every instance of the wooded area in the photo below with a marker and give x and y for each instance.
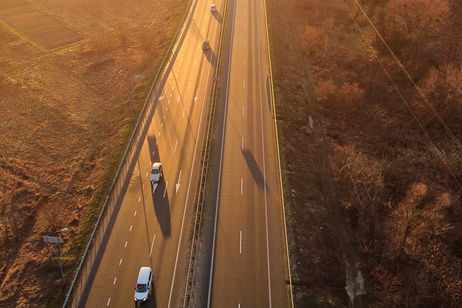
(385, 88)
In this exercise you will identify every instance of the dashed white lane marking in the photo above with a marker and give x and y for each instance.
(242, 186)
(139, 199)
(162, 124)
(195, 98)
(147, 173)
(176, 143)
(126, 242)
(243, 111)
(108, 301)
(242, 143)
(134, 213)
(131, 227)
(189, 85)
(120, 262)
(158, 134)
(178, 98)
(115, 280)
(238, 305)
(244, 61)
(165, 190)
(240, 242)
(152, 245)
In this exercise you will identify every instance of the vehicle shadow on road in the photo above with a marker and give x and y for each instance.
(254, 169)
(159, 195)
(211, 57)
(217, 16)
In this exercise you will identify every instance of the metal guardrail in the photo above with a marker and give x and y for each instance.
(99, 233)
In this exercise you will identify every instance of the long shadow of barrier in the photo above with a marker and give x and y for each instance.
(254, 169)
(114, 199)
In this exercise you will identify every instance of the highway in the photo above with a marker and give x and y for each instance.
(249, 260)
(153, 228)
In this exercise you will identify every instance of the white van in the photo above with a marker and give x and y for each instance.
(143, 285)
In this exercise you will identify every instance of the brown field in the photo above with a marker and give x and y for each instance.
(73, 78)
(373, 194)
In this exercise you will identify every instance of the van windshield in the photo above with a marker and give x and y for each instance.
(140, 288)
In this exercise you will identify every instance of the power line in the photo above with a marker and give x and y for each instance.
(439, 153)
(419, 90)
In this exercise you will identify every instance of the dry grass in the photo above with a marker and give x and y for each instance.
(69, 98)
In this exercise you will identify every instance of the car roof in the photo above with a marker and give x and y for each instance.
(156, 165)
(143, 275)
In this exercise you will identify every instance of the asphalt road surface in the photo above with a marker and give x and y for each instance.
(249, 266)
(153, 228)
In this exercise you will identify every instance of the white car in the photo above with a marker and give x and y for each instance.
(143, 285)
(156, 172)
(213, 8)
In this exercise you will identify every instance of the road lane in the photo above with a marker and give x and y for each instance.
(249, 267)
(177, 123)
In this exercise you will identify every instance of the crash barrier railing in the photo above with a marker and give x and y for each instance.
(99, 234)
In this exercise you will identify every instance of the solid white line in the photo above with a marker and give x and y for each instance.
(240, 242)
(152, 245)
(108, 301)
(115, 279)
(130, 228)
(165, 190)
(134, 213)
(187, 197)
(176, 143)
(242, 186)
(126, 242)
(120, 262)
(179, 176)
